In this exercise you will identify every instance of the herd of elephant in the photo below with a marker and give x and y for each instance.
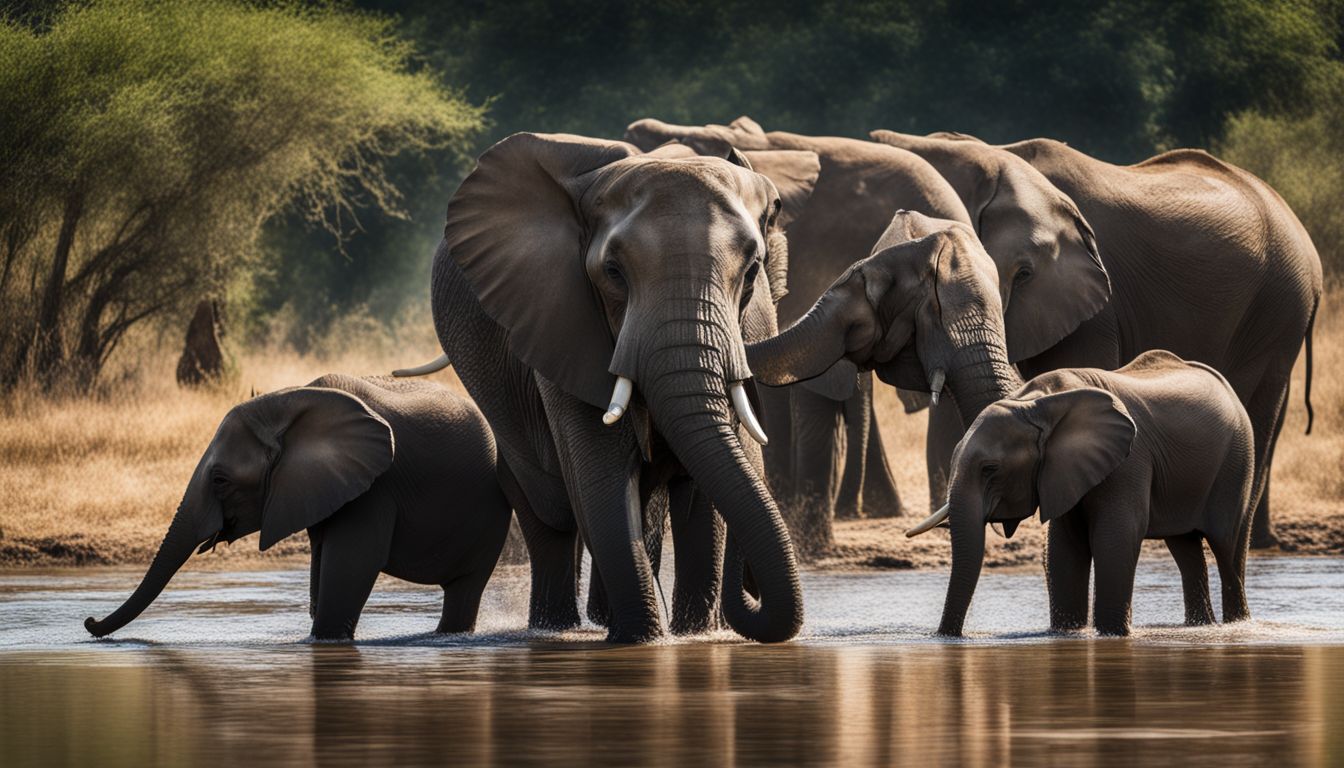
(1110, 345)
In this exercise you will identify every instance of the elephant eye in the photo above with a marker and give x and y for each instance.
(1022, 276)
(613, 271)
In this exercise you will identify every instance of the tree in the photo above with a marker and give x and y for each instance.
(144, 144)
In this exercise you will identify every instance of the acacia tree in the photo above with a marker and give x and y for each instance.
(143, 144)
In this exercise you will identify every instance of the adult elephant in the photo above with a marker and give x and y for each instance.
(1199, 258)
(573, 271)
(827, 459)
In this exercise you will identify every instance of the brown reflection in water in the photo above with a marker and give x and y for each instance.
(1074, 702)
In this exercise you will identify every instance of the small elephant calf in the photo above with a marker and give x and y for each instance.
(1159, 449)
(387, 476)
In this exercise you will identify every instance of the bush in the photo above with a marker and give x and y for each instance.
(144, 143)
(1302, 158)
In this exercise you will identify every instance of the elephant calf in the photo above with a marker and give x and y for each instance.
(386, 476)
(1159, 449)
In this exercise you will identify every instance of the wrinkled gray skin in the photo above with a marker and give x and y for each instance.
(927, 300)
(1159, 449)
(654, 268)
(386, 477)
(825, 456)
(1202, 259)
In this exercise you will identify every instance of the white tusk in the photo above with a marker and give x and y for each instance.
(620, 400)
(930, 522)
(936, 384)
(438, 364)
(744, 413)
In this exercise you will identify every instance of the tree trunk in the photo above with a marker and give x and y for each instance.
(49, 351)
(202, 360)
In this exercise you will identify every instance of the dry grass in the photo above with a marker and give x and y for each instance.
(96, 480)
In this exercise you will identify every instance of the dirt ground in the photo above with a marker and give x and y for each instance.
(94, 481)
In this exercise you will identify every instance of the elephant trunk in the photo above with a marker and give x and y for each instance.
(178, 544)
(684, 385)
(803, 351)
(979, 372)
(968, 555)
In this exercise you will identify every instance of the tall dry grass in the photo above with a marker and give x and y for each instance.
(94, 480)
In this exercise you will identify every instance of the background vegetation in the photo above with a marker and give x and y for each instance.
(292, 160)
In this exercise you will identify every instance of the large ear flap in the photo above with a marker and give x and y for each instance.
(516, 218)
(1068, 284)
(1085, 434)
(793, 172)
(331, 448)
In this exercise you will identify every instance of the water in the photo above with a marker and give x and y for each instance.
(217, 673)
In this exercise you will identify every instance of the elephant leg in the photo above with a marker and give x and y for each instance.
(1267, 409)
(777, 419)
(462, 601)
(314, 569)
(880, 496)
(1230, 551)
(945, 431)
(355, 545)
(1068, 567)
(554, 602)
(818, 458)
(654, 502)
(1115, 536)
(1188, 552)
(858, 432)
(601, 465)
(698, 534)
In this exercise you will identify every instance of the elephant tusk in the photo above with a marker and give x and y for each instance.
(437, 364)
(930, 522)
(936, 384)
(620, 400)
(744, 413)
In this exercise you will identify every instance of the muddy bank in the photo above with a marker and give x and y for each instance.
(877, 544)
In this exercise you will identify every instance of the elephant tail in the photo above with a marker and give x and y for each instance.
(1311, 325)
(437, 364)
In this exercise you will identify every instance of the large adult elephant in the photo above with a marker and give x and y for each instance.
(594, 301)
(1199, 258)
(827, 458)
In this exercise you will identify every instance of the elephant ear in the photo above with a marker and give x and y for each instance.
(514, 224)
(1068, 284)
(1085, 434)
(331, 449)
(793, 172)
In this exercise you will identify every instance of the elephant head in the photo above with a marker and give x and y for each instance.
(653, 268)
(743, 134)
(922, 310)
(1041, 451)
(1051, 278)
(278, 463)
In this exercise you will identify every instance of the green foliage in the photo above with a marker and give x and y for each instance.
(1303, 159)
(144, 144)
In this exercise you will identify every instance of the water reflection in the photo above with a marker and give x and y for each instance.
(1067, 702)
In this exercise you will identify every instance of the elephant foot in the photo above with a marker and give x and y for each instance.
(694, 622)
(1264, 540)
(634, 635)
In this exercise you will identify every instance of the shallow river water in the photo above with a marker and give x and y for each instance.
(216, 672)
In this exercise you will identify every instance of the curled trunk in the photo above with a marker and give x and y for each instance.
(177, 546)
(683, 383)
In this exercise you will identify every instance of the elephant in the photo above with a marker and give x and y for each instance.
(828, 459)
(386, 477)
(574, 269)
(1099, 262)
(1159, 449)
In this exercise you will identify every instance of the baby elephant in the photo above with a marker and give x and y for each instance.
(386, 476)
(1159, 449)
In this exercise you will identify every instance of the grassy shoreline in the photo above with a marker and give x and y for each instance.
(94, 481)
